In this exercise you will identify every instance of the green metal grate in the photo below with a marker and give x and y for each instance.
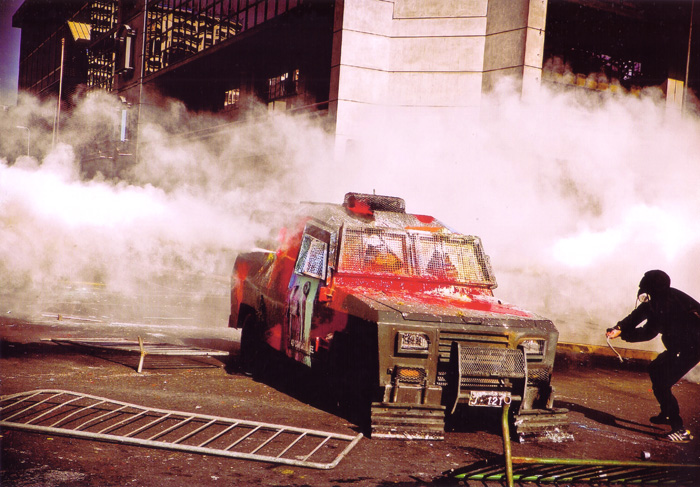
(561, 470)
(572, 470)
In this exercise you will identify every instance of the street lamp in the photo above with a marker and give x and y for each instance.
(27, 129)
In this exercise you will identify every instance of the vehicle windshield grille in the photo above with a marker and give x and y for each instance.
(458, 259)
(374, 251)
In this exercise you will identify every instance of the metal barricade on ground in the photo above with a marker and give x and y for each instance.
(97, 418)
(568, 470)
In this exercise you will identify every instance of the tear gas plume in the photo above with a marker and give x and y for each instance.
(165, 231)
(574, 195)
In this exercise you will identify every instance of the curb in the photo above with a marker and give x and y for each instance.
(579, 354)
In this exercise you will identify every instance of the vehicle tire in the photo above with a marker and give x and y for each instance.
(334, 374)
(250, 345)
(350, 383)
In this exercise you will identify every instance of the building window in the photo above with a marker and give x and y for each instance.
(103, 15)
(100, 73)
(232, 98)
(282, 86)
(178, 29)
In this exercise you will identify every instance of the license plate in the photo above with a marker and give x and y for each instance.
(489, 399)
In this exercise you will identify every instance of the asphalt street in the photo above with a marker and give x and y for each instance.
(609, 405)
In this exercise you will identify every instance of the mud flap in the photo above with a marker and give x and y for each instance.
(543, 425)
(408, 421)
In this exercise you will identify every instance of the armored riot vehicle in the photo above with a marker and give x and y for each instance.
(397, 311)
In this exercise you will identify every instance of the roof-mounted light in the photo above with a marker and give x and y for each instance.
(369, 203)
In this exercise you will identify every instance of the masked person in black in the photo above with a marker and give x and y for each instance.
(676, 316)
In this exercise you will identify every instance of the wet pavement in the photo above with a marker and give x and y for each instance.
(609, 404)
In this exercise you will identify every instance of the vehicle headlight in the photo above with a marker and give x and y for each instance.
(533, 346)
(413, 342)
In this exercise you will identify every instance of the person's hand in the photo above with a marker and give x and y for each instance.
(613, 332)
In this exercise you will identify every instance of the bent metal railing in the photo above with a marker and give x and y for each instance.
(571, 470)
(139, 347)
(85, 416)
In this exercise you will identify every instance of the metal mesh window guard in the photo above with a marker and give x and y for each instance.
(312, 257)
(453, 258)
(373, 251)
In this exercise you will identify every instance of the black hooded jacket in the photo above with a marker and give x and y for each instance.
(670, 312)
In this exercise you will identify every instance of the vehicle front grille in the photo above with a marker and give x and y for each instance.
(497, 384)
(484, 366)
(465, 339)
(492, 362)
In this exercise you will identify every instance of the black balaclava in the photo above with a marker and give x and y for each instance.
(654, 283)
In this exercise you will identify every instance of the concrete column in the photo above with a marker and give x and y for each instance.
(515, 42)
(394, 59)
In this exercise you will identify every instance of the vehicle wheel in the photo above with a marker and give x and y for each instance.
(350, 381)
(335, 373)
(250, 345)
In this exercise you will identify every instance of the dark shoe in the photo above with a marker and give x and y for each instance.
(678, 436)
(659, 419)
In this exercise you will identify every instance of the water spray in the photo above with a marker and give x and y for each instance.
(613, 349)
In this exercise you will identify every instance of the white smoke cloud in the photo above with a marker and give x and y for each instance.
(575, 196)
(166, 228)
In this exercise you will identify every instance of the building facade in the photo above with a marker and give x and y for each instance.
(349, 60)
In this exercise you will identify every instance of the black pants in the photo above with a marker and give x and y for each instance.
(664, 371)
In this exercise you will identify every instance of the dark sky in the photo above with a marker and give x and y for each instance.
(9, 52)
